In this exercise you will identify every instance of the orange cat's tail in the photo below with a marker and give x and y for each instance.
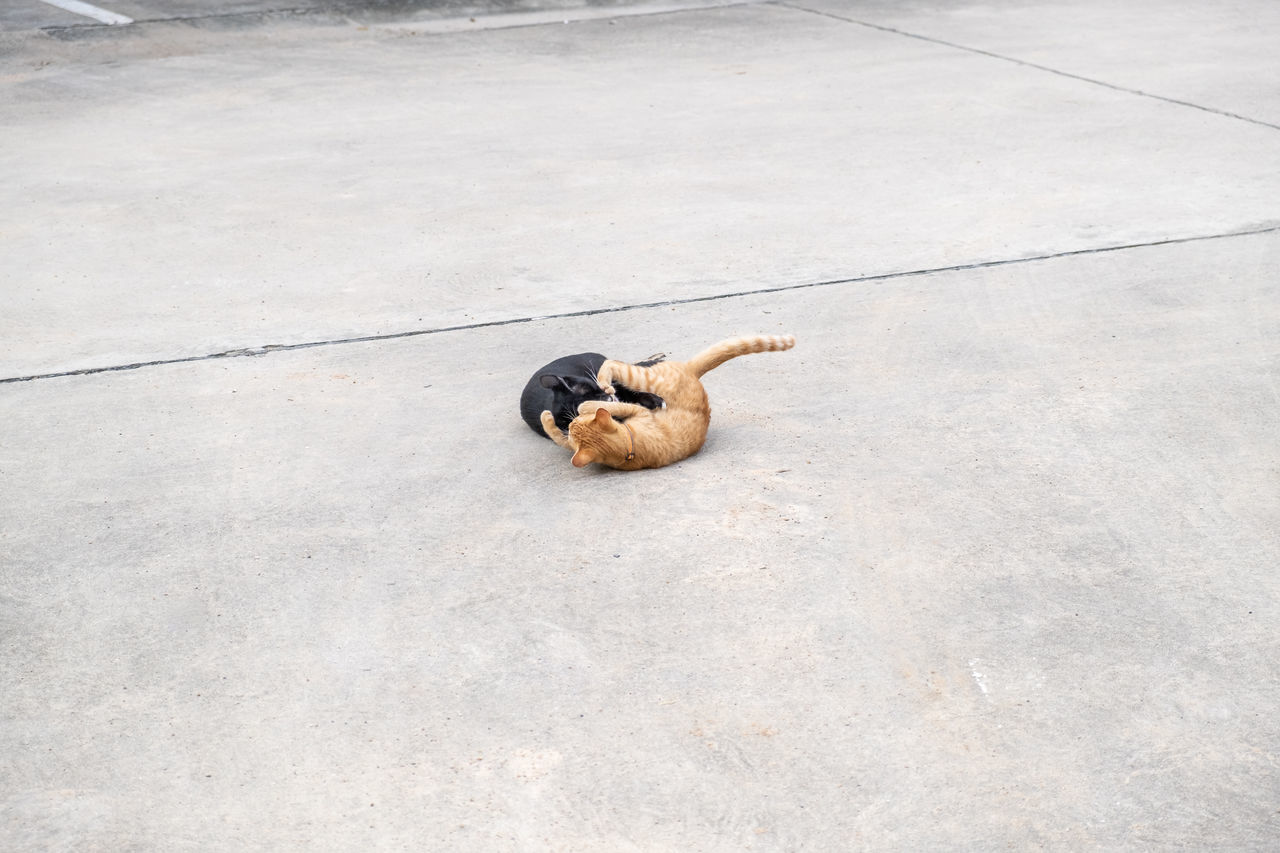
(716, 355)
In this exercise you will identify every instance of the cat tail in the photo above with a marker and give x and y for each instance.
(718, 354)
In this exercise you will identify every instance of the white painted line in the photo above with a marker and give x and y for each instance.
(90, 11)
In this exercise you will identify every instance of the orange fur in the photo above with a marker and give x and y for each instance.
(607, 433)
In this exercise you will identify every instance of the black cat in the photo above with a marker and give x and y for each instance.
(562, 385)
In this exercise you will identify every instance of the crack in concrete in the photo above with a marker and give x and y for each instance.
(621, 11)
(1025, 63)
(243, 352)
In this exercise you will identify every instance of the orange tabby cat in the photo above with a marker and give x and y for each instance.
(627, 436)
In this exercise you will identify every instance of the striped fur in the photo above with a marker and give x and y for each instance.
(627, 436)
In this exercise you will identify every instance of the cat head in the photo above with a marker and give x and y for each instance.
(596, 438)
(568, 392)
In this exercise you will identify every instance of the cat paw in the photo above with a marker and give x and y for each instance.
(549, 423)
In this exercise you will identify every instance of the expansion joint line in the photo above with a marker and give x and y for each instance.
(619, 309)
(1023, 63)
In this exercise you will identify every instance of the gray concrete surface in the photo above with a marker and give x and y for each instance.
(324, 183)
(986, 562)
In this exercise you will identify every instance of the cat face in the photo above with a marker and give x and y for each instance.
(595, 438)
(567, 393)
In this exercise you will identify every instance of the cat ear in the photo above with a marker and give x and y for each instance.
(582, 458)
(550, 380)
(603, 417)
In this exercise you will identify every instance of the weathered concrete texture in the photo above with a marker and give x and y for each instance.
(380, 182)
(27, 15)
(1216, 56)
(32, 14)
(986, 562)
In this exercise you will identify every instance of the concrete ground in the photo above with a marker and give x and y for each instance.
(988, 561)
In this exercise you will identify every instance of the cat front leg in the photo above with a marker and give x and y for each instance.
(630, 375)
(604, 378)
(618, 410)
(643, 398)
(553, 432)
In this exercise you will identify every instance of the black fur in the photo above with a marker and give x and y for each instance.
(562, 385)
